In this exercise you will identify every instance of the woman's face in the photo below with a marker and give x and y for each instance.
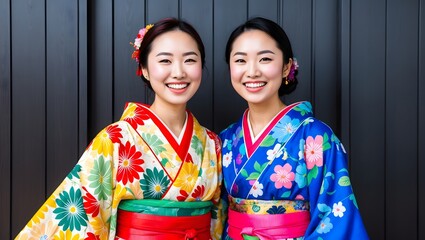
(256, 67)
(174, 67)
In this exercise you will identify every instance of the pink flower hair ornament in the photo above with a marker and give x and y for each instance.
(137, 42)
(291, 75)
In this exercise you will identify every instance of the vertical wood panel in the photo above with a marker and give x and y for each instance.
(402, 117)
(265, 8)
(367, 112)
(200, 15)
(82, 75)
(296, 21)
(5, 114)
(101, 66)
(28, 115)
(344, 66)
(228, 105)
(325, 76)
(421, 122)
(61, 90)
(157, 9)
(128, 87)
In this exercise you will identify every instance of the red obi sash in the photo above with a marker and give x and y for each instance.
(268, 226)
(133, 225)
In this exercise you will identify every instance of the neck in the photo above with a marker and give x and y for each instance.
(260, 114)
(173, 116)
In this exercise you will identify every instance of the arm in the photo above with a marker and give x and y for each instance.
(333, 207)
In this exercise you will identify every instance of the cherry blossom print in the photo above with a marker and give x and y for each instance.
(257, 189)
(275, 152)
(227, 159)
(283, 176)
(314, 151)
(338, 209)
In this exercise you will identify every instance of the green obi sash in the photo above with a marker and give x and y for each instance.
(166, 207)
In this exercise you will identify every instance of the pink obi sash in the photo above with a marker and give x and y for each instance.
(268, 226)
(133, 225)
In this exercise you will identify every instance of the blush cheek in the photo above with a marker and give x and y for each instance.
(158, 73)
(195, 73)
(272, 72)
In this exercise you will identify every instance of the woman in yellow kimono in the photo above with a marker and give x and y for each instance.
(154, 174)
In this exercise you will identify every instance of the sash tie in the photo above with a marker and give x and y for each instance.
(133, 226)
(268, 226)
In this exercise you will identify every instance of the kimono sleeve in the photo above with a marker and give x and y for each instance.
(217, 220)
(81, 206)
(333, 207)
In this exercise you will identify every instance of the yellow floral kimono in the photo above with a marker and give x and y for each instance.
(135, 158)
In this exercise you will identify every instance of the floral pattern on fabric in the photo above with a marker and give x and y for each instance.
(297, 158)
(134, 158)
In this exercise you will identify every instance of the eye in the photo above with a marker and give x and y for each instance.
(265, 59)
(239, 61)
(164, 61)
(190, 60)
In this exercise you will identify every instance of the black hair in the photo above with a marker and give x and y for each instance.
(278, 34)
(163, 26)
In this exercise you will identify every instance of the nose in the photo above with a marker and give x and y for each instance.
(253, 71)
(178, 71)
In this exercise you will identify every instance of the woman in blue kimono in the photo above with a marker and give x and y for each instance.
(285, 172)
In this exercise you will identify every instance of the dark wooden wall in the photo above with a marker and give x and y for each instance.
(66, 72)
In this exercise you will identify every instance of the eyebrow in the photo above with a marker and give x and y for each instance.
(259, 53)
(170, 54)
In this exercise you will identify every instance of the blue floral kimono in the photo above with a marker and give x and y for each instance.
(296, 164)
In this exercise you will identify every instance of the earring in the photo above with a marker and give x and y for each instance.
(286, 80)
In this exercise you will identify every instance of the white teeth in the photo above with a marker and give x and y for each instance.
(255, 85)
(177, 85)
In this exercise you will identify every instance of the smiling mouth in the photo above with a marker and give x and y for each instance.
(177, 85)
(254, 85)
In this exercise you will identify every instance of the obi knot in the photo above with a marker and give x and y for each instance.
(247, 230)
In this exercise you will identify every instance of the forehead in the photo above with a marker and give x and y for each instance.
(174, 41)
(254, 40)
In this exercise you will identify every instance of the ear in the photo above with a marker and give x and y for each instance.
(286, 68)
(145, 73)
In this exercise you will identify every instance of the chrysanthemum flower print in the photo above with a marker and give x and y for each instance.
(338, 209)
(67, 235)
(43, 231)
(103, 142)
(130, 163)
(135, 115)
(154, 142)
(283, 176)
(101, 178)
(119, 193)
(91, 236)
(91, 205)
(314, 151)
(197, 145)
(183, 196)
(198, 193)
(187, 177)
(70, 211)
(154, 183)
(101, 228)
